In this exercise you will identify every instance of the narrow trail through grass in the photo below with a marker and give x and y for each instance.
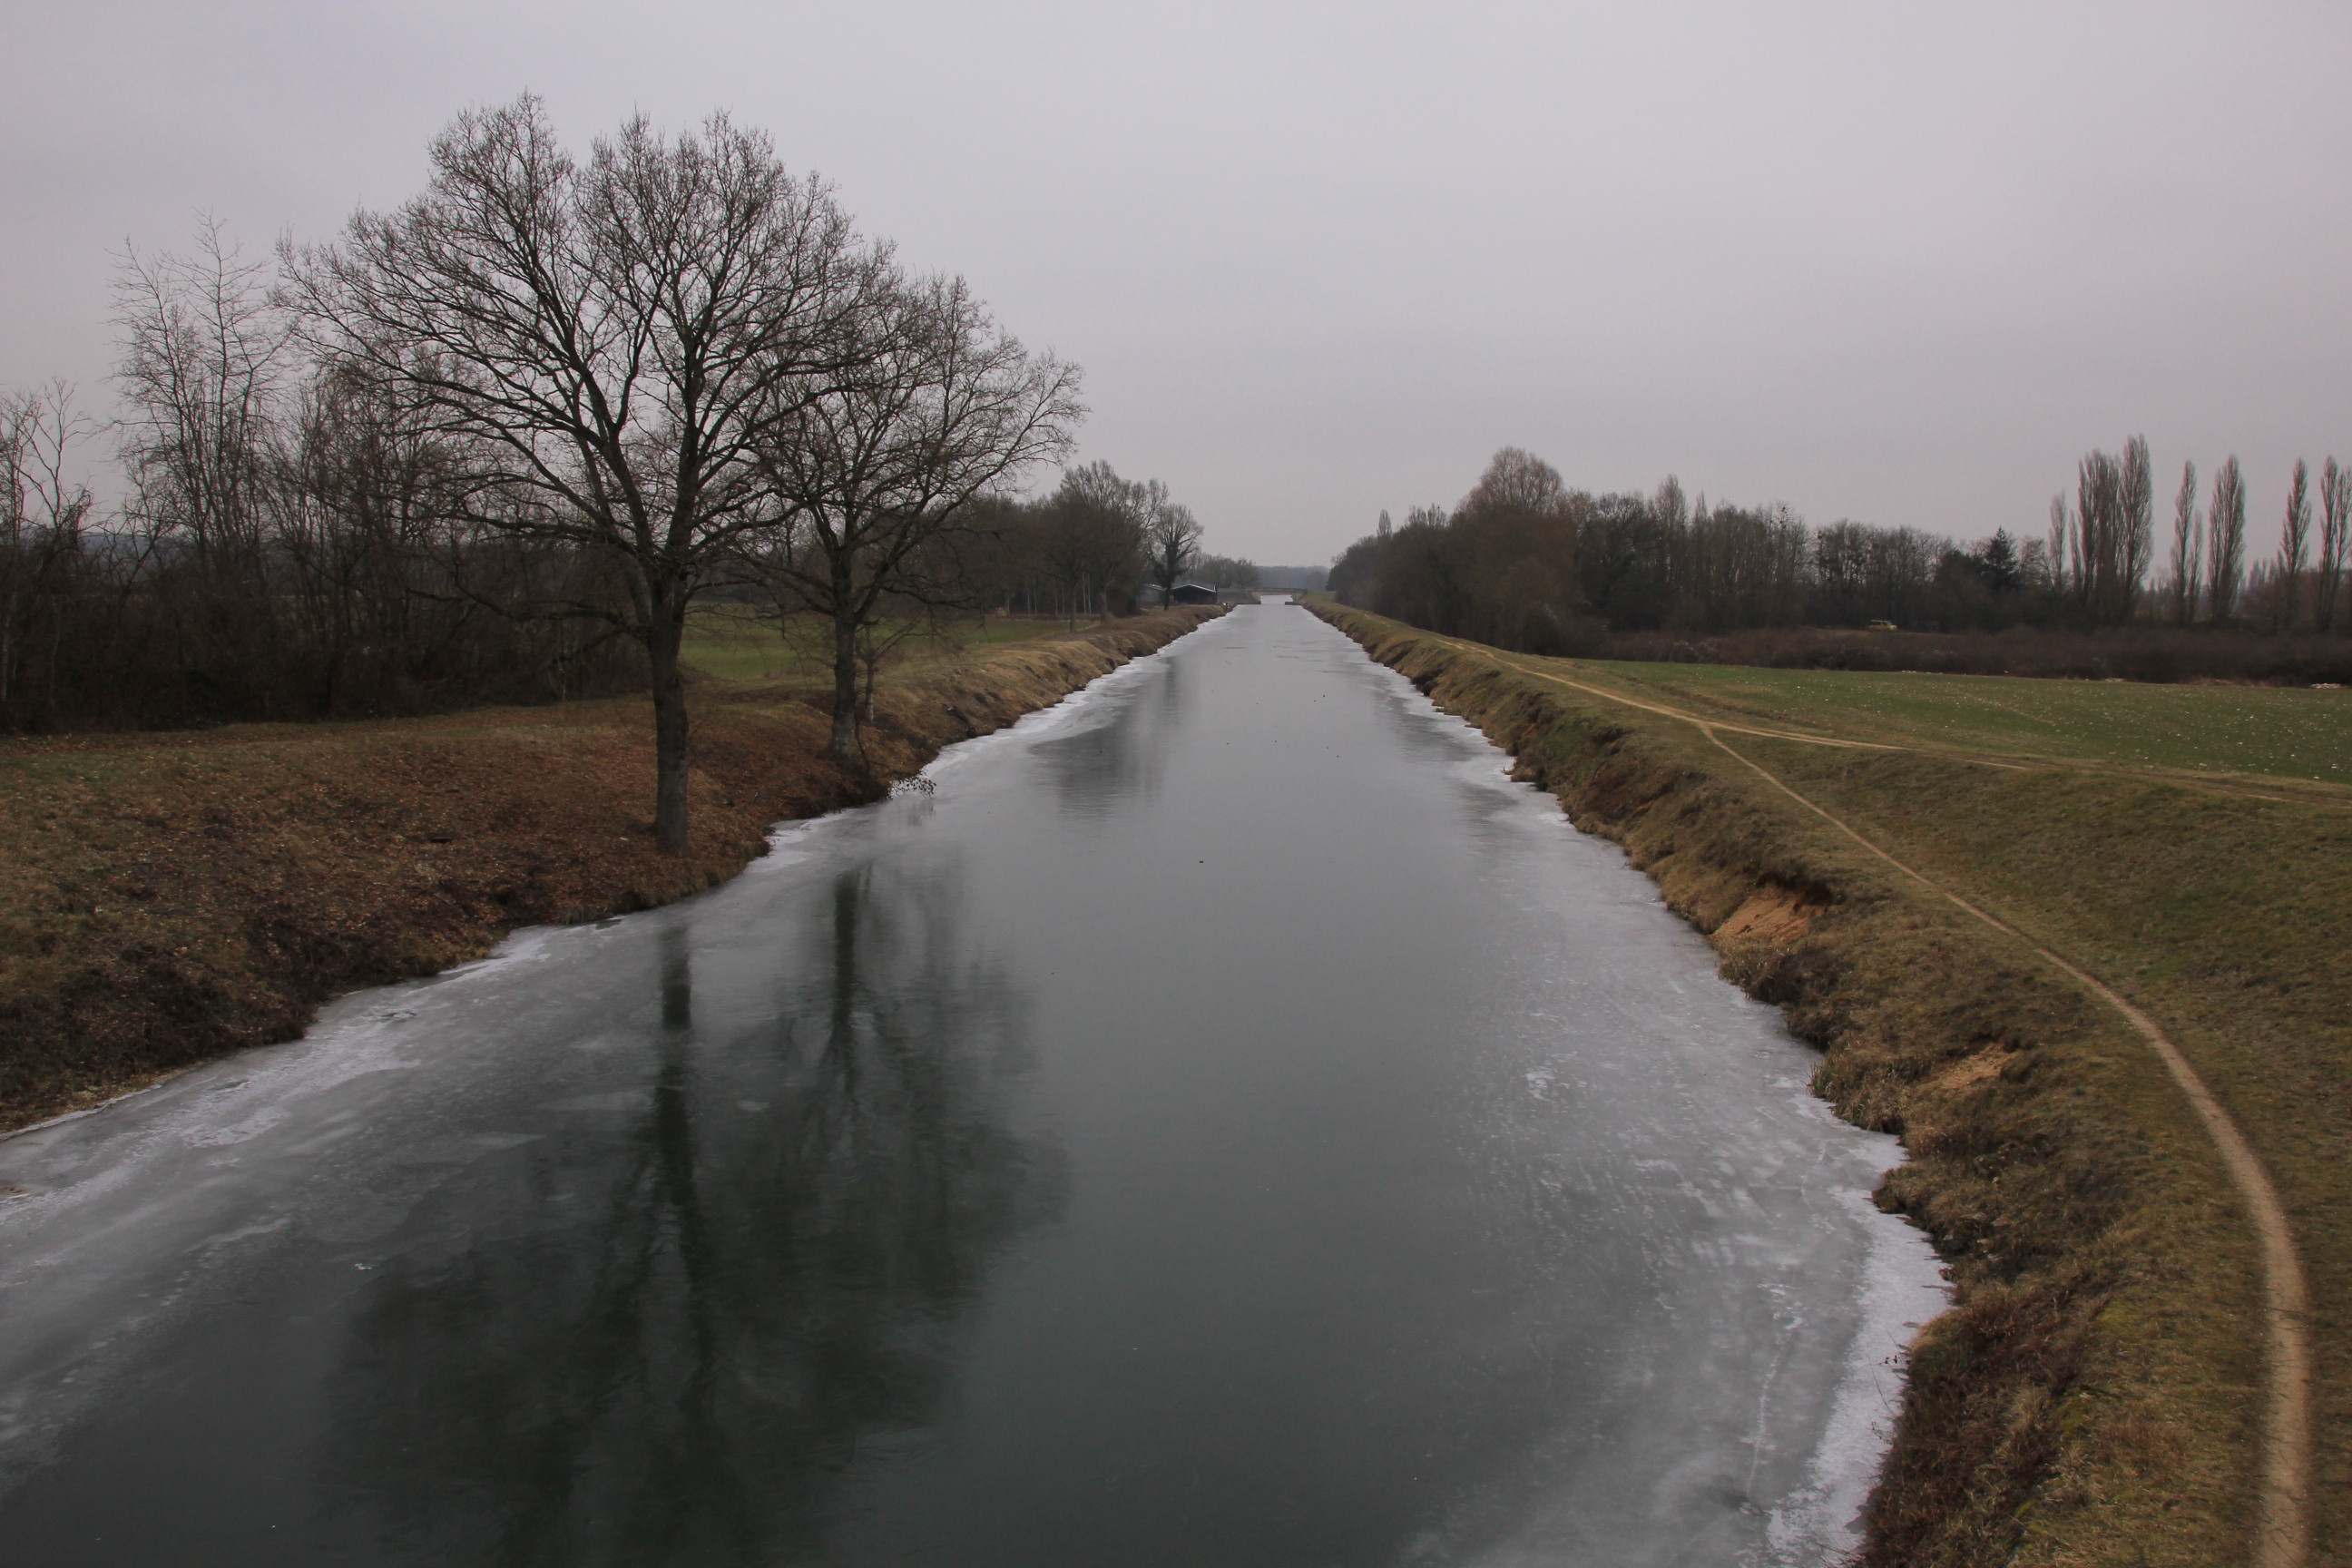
(2283, 1538)
(2297, 791)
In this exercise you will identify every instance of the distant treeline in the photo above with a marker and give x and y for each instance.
(1526, 563)
(1293, 579)
(1096, 545)
(285, 547)
(494, 443)
(294, 544)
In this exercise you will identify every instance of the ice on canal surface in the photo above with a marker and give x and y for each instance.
(1225, 1121)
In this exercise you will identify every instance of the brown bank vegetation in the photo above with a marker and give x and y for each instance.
(2099, 1393)
(168, 897)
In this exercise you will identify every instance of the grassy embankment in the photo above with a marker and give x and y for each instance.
(168, 897)
(2103, 1391)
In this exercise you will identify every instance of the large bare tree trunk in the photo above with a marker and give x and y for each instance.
(662, 646)
(842, 746)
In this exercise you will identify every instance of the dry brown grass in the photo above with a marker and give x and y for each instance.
(170, 897)
(2094, 1396)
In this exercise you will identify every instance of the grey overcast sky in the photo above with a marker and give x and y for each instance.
(1900, 262)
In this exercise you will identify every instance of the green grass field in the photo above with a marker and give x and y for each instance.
(2263, 731)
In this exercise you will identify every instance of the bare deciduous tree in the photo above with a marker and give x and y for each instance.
(1223, 572)
(2226, 559)
(1517, 480)
(2064, 548)
(2110, 535)
(879, 470)
(1091, 535)
(2136, 549)
(41, 516)
(1171, 538)
(2334, 535)
(614, 345)
(2187, 548)
(2294, 546)
(203, 380)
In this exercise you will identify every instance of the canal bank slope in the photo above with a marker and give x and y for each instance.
(2103, 1389)
(169, 898)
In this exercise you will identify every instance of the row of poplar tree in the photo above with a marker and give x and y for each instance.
(2101, 546)
(1523, 561)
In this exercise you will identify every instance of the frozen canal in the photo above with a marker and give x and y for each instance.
(1226, 1124)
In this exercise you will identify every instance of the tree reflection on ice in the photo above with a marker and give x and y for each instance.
(1102, 767)
(724, 1307)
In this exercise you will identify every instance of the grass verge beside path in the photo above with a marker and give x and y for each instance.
(2098, 1394)
(167, 898)
(2298, 740)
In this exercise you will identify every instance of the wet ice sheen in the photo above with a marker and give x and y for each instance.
(1226, 1124)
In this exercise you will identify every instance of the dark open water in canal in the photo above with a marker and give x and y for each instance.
(1226, 1125)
